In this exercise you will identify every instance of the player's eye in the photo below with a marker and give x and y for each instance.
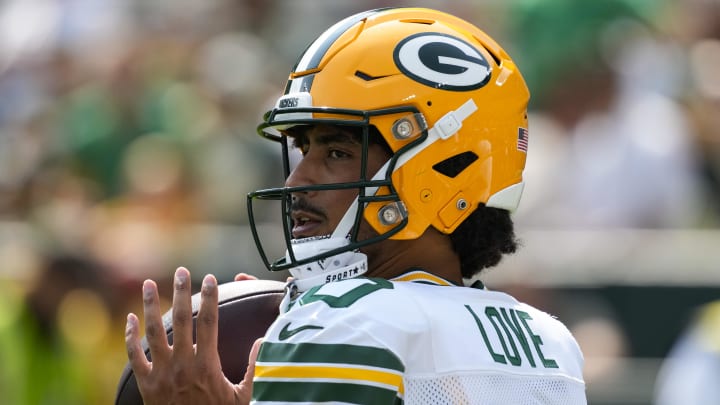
(338, 154)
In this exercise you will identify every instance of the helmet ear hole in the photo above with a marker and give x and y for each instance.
(453, 166)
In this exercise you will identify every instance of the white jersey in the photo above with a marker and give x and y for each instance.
(374, 341)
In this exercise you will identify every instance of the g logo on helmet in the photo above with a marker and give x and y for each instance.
(442, 61)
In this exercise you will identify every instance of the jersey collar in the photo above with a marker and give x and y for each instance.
(421, 276)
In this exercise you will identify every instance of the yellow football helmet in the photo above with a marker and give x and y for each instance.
(447, 99)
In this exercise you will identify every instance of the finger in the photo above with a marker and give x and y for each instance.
(182, 315)
(244, 277)
(136, 355)
(207, 322)
(243, 390)
(252, 359)
(154, 329)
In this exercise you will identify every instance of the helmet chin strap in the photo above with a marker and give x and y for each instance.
(354, 263)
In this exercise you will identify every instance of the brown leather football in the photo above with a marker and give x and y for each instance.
(246, 310)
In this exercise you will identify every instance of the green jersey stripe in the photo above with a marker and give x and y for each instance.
(323, 392)
(329, 353)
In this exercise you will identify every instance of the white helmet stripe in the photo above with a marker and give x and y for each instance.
(313, 55)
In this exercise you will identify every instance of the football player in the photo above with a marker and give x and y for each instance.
(412, 134)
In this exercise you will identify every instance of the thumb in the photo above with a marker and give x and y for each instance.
(250, 372)
(243, 391)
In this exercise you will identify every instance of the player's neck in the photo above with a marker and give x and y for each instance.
(431, 252)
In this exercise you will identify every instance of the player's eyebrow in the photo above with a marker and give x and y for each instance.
(336, 136)
(326, 136)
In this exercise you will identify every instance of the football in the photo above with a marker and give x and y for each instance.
(246, 310)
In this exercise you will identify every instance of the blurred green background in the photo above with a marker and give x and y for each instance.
(127, 146)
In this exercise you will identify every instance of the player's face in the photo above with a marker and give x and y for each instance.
(330, 155)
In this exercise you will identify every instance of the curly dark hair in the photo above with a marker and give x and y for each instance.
(483, 238)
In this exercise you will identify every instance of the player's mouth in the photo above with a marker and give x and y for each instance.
(307, 220)
(306, 225)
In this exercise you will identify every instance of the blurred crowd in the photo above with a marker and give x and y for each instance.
(128, 145)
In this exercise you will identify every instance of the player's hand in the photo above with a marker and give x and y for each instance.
(244, 276)
(183, 373)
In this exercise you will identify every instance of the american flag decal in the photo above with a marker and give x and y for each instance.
(522, 142)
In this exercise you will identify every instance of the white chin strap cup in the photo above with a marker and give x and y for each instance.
(338, 267)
